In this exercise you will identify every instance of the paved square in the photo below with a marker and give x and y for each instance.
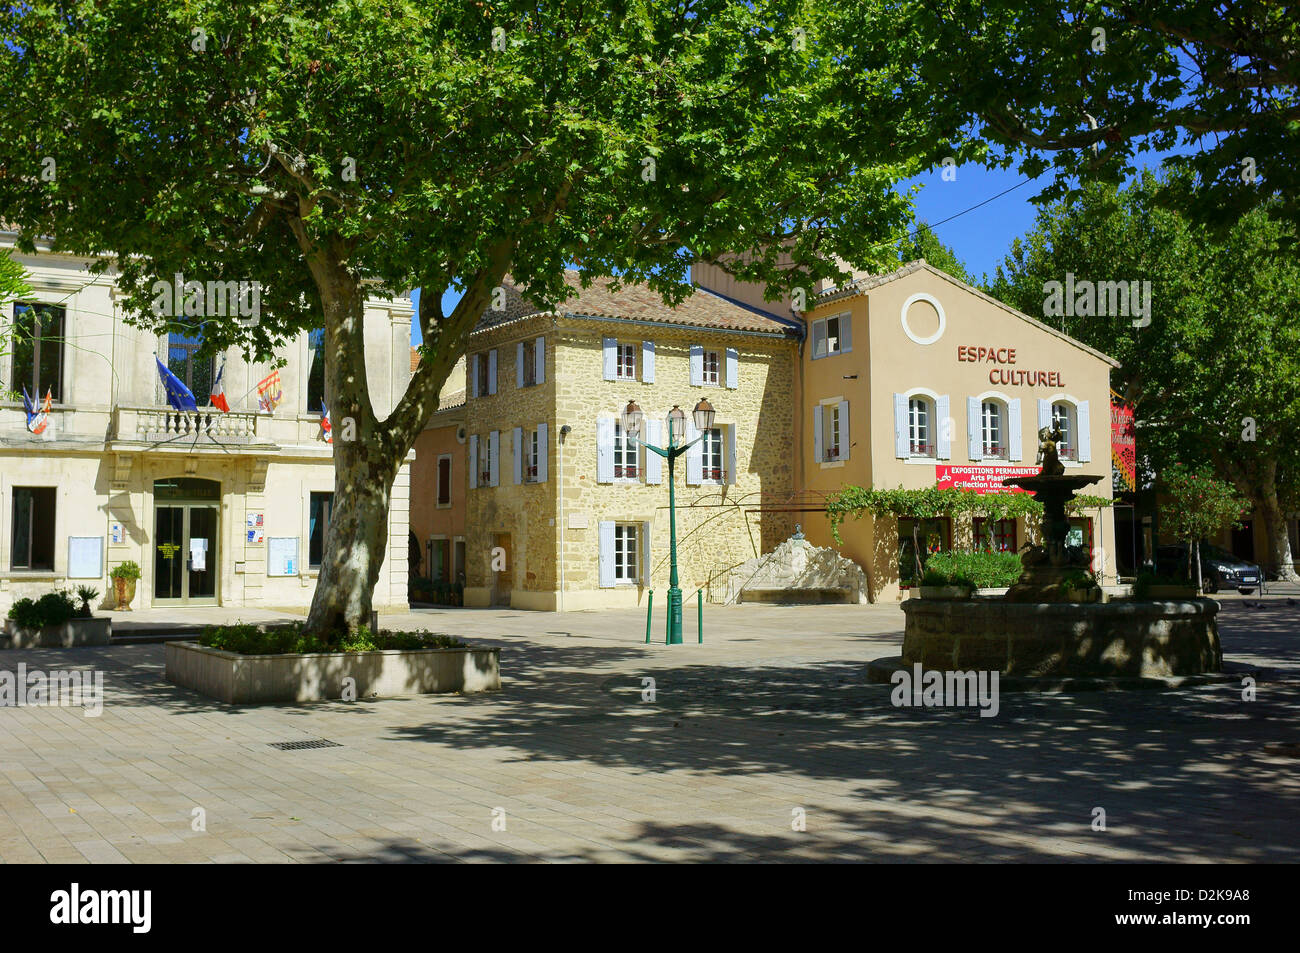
(770, 718)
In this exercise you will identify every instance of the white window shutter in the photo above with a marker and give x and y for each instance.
(473, 461)
(542, 451)
(1044, 413)
(610, 348)
(819, 449)
(730, 463)
(604, 449)
(694, 456)
(646, 553)
(843, 435)
(1014, 428)
(942, 421)
(519, 364)
(819, 339)
(974, 429)
(606, 554)
(846, 333)
(494, 458)
(733, 368)
(902, 431)
(519, 454)
(654, 464)
(473, 374)
(539, 357)
(492, 371)
(697, 365)
(1083, 420)
(648, 363)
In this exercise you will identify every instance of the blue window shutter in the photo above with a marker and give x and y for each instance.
(542, 451)
(604, 449)
(902, 428)
(846, 333)
(606, 530)
(519, 364)
(473, 374)
(694, 456)
(610, 348)
(1014, 426)
(731, 463)
(943, 420)
(648, 364)
(819, 339)
(819, 450)
(844, 430)
(646, 553)
(492, 371)
(653, 462)
(733, 368)
(519, 454)
(473, 461)
(974, 429)
(494, 458)
(1044, 413)
(697, 365)
(539, 355)
(1083, 418)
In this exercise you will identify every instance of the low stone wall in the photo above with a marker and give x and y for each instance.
(257, 679)
(72, 633)
(1129, 638)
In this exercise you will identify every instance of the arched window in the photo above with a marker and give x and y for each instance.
(993, 427)
(1066, 419)
(920, 424)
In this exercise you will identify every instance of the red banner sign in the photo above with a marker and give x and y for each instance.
(1123, 446)
(979, 478)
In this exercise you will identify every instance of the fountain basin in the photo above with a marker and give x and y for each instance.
(1129, 638)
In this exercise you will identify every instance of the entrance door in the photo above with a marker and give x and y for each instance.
(1243, 541)
(1080, 537)
(185, 554)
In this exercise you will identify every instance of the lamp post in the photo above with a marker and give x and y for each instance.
(632, 419)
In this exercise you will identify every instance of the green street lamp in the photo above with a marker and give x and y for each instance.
(632, 419)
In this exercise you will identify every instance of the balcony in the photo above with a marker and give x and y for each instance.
(165, 425)
(995, 451)
(922, 449)
(626, 473)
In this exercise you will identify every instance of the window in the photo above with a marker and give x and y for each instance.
(439, 557)
(528, 361)
(1063, 416)
(830, 433)
(481, 362)
(830, 336)
(444, 480)
(625, 366)
(38, 350)
(919, 416)
(484, 461)
(316, 371)
(320, 507)
(625, 550)
(626, 456)
(712, 460)
(712, 365)
(183, 360)
(32, 540)
(997, 535)
(458, 560)
(994, 430)
(532, 455)
(932, 536)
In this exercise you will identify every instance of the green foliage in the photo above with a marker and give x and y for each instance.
(923, 243)
(53, 608)
(126, 570)
(934, 577)
(1196, 505)
(13, 280)
(1073, 579)
(86, 594)
(984, 570)
(292, 639)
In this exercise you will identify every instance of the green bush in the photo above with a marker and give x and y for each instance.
(933, 577)
(246, 639)
(53, 608)
(982, 570)
(126, 570)
(1077, 579)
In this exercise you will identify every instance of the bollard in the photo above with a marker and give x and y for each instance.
(649, 606)
(699, 624)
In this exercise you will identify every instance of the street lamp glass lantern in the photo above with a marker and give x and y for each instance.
(676, 424)
(632, 417)
(704, 415)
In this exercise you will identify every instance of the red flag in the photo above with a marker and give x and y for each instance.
(218, 395)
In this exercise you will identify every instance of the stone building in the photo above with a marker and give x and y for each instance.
(440, 473)
(563, 512)
(216, 508)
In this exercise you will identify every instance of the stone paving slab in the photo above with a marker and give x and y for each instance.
(771, 716)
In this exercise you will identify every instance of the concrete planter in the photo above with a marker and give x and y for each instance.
(72, 633)
(945, 592)
(258, 679)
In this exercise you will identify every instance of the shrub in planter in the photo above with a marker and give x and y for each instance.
(24, 614)
(86, 594)
(246, 639)
(53, 608)
(124, 578)
(983, 570)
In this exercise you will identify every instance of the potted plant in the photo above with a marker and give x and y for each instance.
(53, 620)
(1079, 585)
(124, 578)
(938, 585)
(86, 594)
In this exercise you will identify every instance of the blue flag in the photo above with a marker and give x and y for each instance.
(178, 395)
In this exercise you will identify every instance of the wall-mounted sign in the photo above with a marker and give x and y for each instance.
(970, 353)
(282, 556)
(981, 479)
(116, 533)
(256, 531)
(1123, 444)
(85, 557)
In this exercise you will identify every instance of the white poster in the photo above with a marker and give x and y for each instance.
(198, 555)
(85, 557)
(282, 556)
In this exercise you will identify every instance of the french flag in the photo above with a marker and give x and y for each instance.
(327, 429)
(218, 395)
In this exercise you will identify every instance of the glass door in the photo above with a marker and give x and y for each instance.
(201, 553)
(185, 554)
(168, 553)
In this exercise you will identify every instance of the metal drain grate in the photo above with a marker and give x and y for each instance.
(300, 745)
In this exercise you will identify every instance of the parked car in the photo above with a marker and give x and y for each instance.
(1219, 568)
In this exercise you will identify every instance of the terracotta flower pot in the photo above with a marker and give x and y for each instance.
(124, 590)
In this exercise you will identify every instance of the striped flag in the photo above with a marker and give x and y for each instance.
(218, 395)
(327, 429)
(269, 392)
(37, 420)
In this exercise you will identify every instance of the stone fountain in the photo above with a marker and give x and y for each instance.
(1047, 625)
